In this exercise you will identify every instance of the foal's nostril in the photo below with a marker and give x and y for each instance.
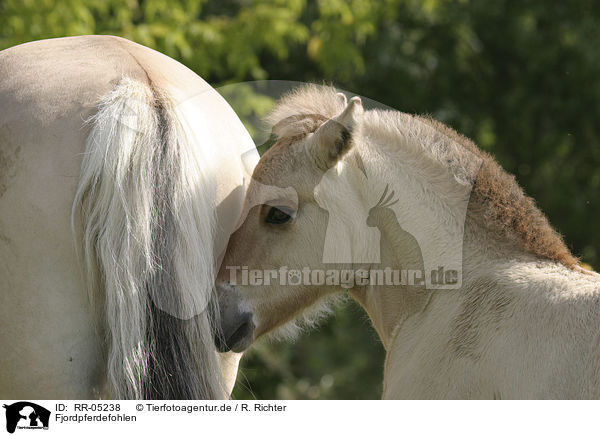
(239, 334)
(236, 335)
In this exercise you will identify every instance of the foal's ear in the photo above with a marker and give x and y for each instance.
(335, 137)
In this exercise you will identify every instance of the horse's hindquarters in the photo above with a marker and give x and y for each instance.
(50, 349)
(48, 91)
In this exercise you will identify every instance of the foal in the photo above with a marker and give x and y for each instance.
(472, 292)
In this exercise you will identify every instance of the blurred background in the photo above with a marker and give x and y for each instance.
(519, 77)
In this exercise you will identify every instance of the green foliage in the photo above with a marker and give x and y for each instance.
(520, 77)
(221, 40)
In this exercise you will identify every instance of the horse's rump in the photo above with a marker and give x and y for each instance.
(144, 220)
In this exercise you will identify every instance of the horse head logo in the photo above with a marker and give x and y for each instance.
(26, 415)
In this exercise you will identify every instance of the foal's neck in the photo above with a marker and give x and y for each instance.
(434, 218)
(389, 305)
(415, 217)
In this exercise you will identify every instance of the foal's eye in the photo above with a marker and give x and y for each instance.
(279, 215)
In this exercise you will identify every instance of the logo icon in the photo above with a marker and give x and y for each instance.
(26, 415)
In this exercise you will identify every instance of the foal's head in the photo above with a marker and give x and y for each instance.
(265, 278)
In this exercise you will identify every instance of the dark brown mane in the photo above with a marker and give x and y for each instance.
(499, 202)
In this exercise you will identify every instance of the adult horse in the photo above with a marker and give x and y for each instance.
(471, 291)
(138, 160)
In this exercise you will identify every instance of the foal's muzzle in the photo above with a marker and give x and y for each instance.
(235, 330)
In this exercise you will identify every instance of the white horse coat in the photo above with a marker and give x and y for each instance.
(49, 90)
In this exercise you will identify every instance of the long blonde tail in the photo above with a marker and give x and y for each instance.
(144, 210)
